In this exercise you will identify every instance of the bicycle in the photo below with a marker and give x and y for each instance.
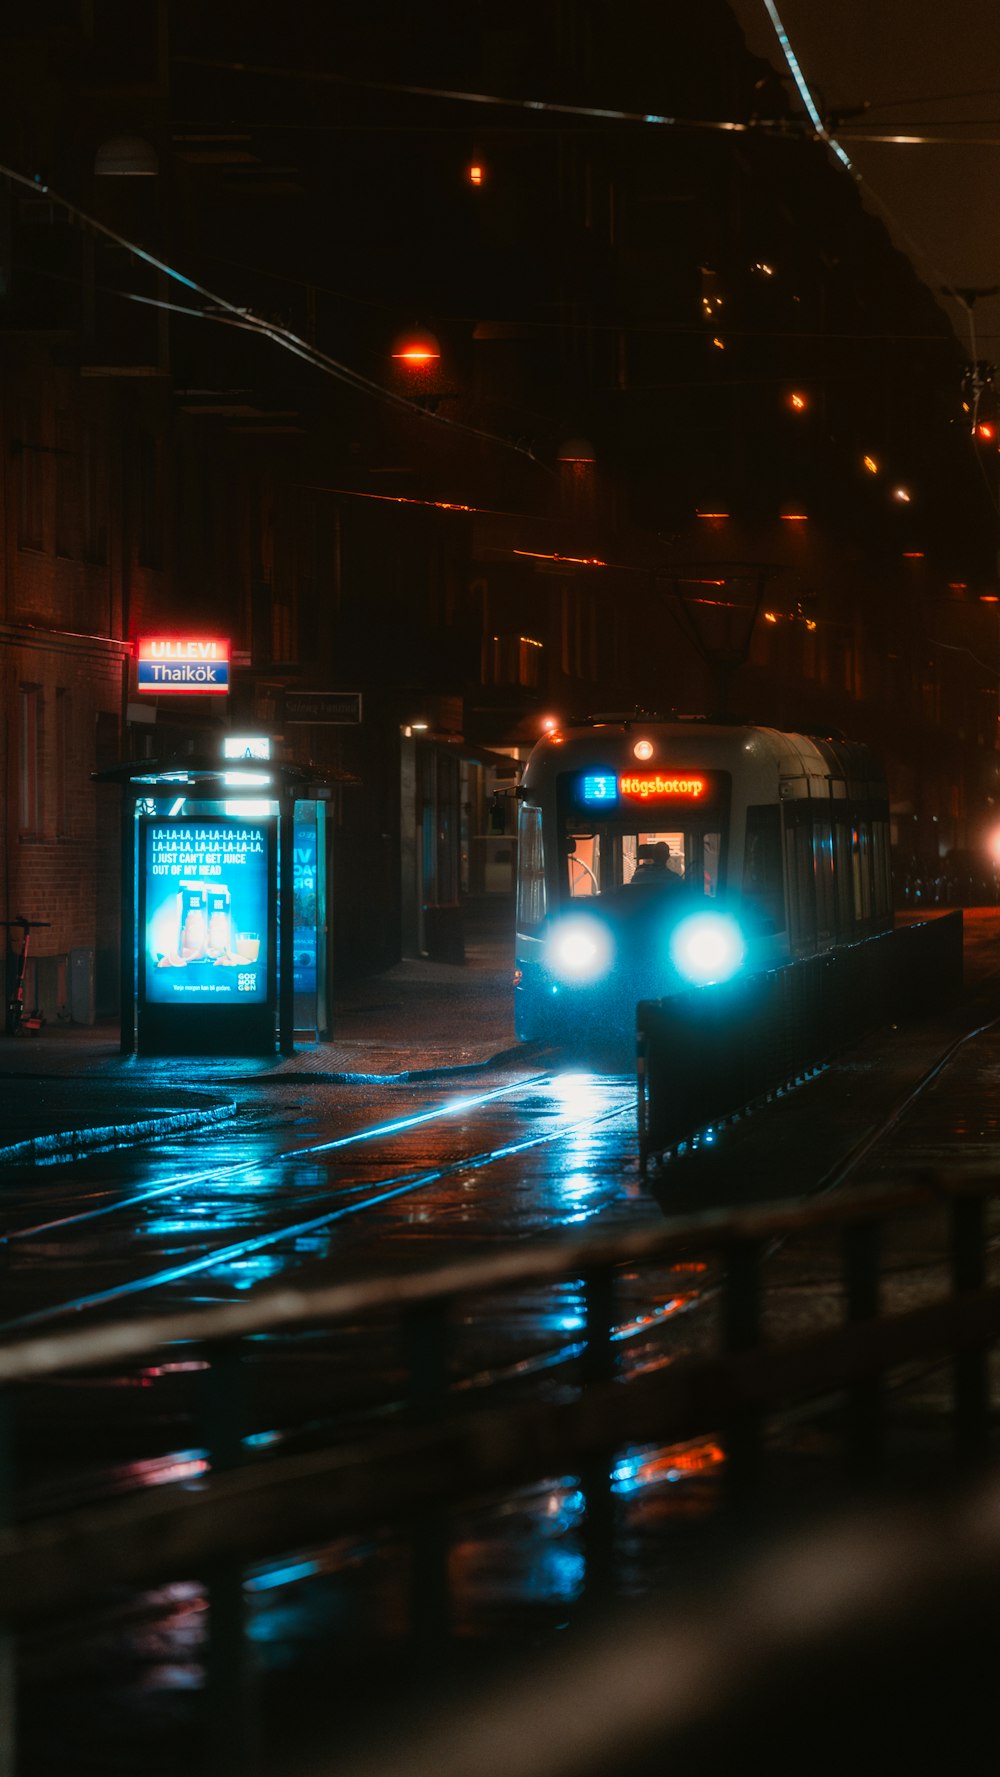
(17, 1020)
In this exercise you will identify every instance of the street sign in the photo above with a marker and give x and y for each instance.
(190, 665)
(323, 706)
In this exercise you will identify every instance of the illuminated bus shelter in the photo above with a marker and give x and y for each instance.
(223, 904)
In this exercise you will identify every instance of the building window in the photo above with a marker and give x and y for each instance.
(124, 43)
(93, 498)
(62, 747)
(150, 503)
(513, 660)
(65, 488)
(29, 782)
(30, 487)
(283, 632)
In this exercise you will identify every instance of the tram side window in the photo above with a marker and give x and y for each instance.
(763, 884)
(826, 905)
(862, 860)
(712, 863)
(531, 901)
(584, 860)
(883, 868)
(842, 876)
(801, 875)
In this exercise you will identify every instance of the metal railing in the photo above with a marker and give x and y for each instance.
(442, 1454)
(866, 1644)
(706, 1053)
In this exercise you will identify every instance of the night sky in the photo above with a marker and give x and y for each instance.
(919, 64)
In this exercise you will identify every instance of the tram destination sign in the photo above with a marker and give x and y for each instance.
(191, 666)
(612, 790)
(323, 706)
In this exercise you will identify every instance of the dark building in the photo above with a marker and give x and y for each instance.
(484, 411)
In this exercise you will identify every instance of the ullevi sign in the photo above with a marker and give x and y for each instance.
(187, 664)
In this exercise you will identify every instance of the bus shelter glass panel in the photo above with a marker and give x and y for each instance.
(309, 896)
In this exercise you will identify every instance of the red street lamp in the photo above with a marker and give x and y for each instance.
(416, 350)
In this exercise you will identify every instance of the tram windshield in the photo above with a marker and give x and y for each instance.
(603, 861)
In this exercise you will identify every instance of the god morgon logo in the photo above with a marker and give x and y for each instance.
(186, 664)
(643, 785)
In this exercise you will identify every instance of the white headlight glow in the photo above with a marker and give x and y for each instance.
(707, 947)
(579, 949)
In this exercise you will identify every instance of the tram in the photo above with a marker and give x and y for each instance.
(659, 853)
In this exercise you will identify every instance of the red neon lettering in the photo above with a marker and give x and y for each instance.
(183, 648)
(653, 783)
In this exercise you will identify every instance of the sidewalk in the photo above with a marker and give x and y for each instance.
(69, 1088)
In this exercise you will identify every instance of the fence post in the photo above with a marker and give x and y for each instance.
(426, 1333)
(595, 1471)
(227, 1663)
(864, 1435)
(642, 1116)
(970, 1373)
(741, 1326)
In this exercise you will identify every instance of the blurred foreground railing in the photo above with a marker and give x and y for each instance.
(449, 1451)
(867, 1645)
(704, 1054)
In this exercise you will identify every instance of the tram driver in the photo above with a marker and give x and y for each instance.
(655, 865)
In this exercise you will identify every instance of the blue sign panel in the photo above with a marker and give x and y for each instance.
(182, 675)
(601, 787)
(204, 901)
(305, 882)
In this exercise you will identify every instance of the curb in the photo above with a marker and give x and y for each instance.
(62, 1144)
(526, 1052)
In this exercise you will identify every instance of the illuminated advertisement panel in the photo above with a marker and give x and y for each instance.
(204, 911)
(189, 665)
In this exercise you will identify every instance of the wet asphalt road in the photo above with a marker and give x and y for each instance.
(317, 1180)
(313, 1181)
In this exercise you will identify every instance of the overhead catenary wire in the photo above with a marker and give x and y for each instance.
(802, 86)
(554, 107)
(222, 309)
(946, 285)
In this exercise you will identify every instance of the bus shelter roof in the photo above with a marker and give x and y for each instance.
(210, 778)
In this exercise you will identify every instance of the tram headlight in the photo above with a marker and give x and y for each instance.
(707, 947)
(579, 949)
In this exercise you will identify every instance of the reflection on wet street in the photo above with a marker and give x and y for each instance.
(403, 1179)
(313, 1187)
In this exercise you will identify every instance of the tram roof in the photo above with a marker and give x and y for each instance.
(696, 741)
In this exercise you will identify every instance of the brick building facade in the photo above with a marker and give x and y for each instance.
(598, 493)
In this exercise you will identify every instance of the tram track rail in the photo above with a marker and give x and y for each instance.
(373, 1194)
(371, 1132)
(651, 1334)
(367, 1195)
(626, 1330)
(655, 1332)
